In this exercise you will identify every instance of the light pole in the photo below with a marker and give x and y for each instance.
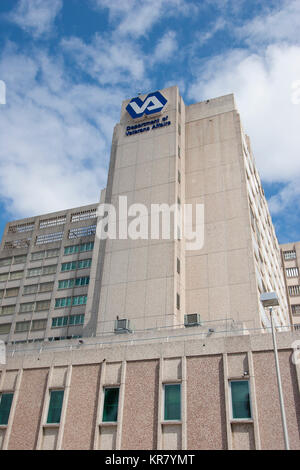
(270, 300)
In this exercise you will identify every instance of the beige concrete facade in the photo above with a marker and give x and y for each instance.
(202, 157)
(204, 366)
(290, 259)
(32, 255)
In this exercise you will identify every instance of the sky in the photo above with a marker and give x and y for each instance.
(68, 64)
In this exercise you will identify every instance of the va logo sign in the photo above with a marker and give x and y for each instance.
(153, 103)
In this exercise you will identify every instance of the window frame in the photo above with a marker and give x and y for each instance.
(250, 419)
(11, 403)
(114, 387)
(54, 423)
(164, 419)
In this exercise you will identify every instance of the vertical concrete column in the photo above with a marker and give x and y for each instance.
(64, 408)
(184, 403)
(99, 405)
(44, 411)
(227, 404)
(2, 378)
(12, 410)
(253, 401)
(159, 426)
(121, 406)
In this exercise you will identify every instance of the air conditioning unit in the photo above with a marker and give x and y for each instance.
(192, 319)
(122, 326)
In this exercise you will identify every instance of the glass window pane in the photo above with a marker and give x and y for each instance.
(111, 401)
(5, 406)
(172, 402)
(55, 406)
(240, 400)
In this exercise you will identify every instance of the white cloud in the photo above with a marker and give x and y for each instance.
(136, 18)
(36, 16)
(165, 48)
(56, 136)
(262, 87)
(281, 24)
(108, 61)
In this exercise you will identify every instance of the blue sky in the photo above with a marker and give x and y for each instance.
(68, 64)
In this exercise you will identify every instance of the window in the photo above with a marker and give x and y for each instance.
(53, 222)
(5, 329)
(179, 155)
(3, 277)
(38, 255)
(32, 289)
(240, 399)
(82, 281)
(21, 228)
(24, 243)
(5, 406)
(26, 307)
(13, 292)
(69, 250)
(42, 305)
(34, 272)
(82, 232)
(84, 263)
(172, 401)
(52, 253)
(294, 290)
(292, 272)
(178, 302)
(46, 287)
(16, 275)
(68, 320)
(72, 265)
(296, 309)
(20, 259)
(179, 177)
(63, 302)
(179, 129)
(22, 326)
(68, 266)
(110, 406)
(49, 238)
(76, 319)
(55, 406)
(39, 325)
(291, 254)
(7, 310)
(91, 214)
(79, 300)
(69, 283)
(59, 321)
(66, 283)
(5, 262)
(178, 265)
(49, 269)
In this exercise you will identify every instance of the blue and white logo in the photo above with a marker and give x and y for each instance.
(153, 103)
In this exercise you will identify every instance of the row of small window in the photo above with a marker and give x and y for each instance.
(239, 392)
(294, 290)
(58, 236)
(77, 217)
(39, 255)
(70, 301)
(36, 325)
(13, 260)
(292, 272)
(291, 254)
(70, 266)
